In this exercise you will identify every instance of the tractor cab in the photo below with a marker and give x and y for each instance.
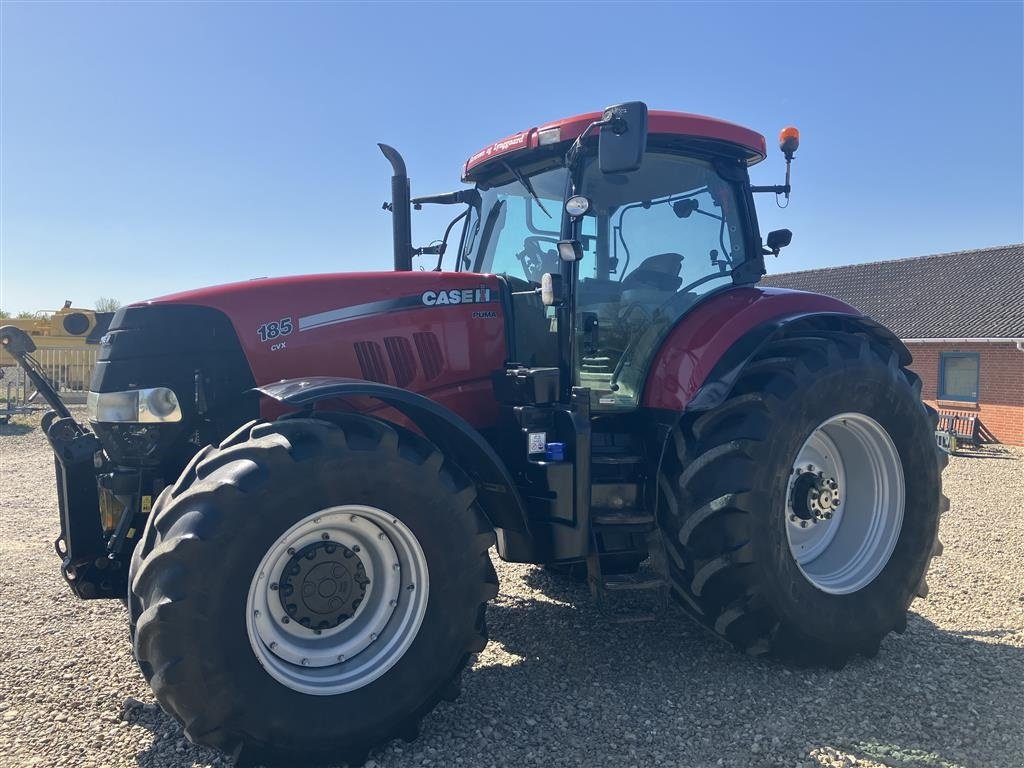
(608, 228)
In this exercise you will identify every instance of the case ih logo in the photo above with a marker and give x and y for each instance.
(481, 295)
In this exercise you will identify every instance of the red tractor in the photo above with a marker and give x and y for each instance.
(294, 483)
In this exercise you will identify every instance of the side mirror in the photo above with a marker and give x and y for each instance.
(620, 147)
(777, 240)
(570, 250)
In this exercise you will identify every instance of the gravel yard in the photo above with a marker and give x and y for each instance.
(557, 686)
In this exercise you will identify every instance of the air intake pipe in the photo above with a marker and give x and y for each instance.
(401, 223)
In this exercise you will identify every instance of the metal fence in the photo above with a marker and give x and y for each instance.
(69, 369)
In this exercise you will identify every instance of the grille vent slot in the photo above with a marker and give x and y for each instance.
(402, 361)
(429, 350)
(371, 361)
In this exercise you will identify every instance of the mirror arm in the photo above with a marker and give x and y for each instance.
(467, 196)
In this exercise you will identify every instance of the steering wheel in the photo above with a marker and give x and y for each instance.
(535, 260)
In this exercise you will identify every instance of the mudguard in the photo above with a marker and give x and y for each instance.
(700, 358)
(452, 434)
(719, 383)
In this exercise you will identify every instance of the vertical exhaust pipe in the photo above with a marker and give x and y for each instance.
(401, 221)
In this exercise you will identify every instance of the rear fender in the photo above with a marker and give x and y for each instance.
(719, 383)
(703, 352)
(452, 434)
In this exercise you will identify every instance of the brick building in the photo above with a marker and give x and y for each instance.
(960, 314)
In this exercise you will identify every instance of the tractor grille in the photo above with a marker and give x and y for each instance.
(371, 361)
(429, 350)
(402, 361)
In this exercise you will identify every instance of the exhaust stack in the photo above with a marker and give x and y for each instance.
(401, 223)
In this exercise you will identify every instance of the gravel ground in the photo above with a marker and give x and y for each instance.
(557, 686)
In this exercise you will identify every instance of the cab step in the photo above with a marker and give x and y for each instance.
(622, 519)
(630, 597)
(634, 582)
(607, 459)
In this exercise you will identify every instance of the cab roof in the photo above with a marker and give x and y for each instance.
(751, 143)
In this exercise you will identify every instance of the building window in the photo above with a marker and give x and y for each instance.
(958, 376)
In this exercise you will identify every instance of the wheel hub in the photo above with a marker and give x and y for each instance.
(322, 585)
(814, 496)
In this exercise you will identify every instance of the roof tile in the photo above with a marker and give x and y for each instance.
(964, 294)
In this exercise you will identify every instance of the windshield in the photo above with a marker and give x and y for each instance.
(512, 233)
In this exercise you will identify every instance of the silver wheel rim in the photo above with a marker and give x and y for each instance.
(844, 503)
(386, 611)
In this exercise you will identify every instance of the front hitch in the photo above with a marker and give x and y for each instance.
(88, 567)
(92, 566)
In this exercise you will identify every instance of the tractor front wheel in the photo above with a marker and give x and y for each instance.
(801, 514)
(309, 589)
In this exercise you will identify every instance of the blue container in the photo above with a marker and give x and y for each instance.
(555, 452)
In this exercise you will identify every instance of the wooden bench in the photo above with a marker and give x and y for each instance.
(964, 426)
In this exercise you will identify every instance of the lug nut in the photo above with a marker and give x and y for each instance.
(273, 586)
(355, 548)
(285, 620)
(291, 550)
(325, 536)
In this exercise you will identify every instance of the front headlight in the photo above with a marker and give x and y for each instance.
(138, 406)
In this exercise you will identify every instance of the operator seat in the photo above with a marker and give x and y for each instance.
(660, 273)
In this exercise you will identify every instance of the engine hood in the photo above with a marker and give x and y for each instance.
(440, 334)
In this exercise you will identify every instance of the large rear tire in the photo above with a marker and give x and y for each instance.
(309, 589)
(801, 514)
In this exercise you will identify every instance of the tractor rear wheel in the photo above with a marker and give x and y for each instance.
(309, 589)
(801, 514)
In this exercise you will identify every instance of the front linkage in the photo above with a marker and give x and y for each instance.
(98, 504)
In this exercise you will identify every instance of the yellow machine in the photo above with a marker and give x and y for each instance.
(67, 328)
(67, 343)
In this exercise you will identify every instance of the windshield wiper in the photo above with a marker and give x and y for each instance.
(526, 185)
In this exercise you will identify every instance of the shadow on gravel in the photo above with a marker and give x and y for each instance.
(16, 428)
(931, 697)
(985, 452)
(561, 686)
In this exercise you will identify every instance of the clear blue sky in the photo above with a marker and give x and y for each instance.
(148, 148)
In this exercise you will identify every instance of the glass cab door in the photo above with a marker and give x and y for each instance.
(666, 236)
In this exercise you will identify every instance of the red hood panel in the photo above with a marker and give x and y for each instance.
(440, 334)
